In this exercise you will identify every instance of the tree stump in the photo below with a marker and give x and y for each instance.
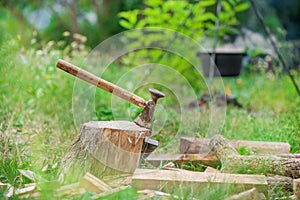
(104, 148)
(234, 163)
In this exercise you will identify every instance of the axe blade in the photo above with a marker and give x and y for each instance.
(149, 146)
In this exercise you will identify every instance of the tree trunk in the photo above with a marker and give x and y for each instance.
(103, 148)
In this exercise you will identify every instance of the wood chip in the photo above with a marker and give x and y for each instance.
(92, 184)
(211, 170)
(31, 175)
(28, 189)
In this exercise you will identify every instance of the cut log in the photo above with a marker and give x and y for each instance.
(103, 148)
(211, 170)
(189, 145)
(279, 182)
(170, 180)
(234, 163)
(296, 187)
(92, 184)
(251, 194)
(117, 181)
(288, 155)
(179, 159)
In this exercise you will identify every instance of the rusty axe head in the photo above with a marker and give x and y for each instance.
(145, 117)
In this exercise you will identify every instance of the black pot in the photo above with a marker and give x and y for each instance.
(229, 62)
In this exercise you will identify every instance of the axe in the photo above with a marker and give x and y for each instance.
(145, 117)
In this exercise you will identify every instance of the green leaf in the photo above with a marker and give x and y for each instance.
(168, 5)
(226, 6)
(207, 16)
(125, 24)
(241, 7)
(153, 3)
(232, 2)
(207, 3)
(141, 24)
(124, 14)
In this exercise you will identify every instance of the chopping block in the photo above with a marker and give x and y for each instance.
(102, 148)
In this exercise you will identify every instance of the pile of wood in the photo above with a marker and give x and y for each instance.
(267, 166)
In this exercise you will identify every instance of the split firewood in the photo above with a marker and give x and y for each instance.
(234, 163)
(211, 170)
(30, 188)
(104, 148)
(280, 182)
(126, 180)
(251, 194)
(189, 145)
(168, 180)
(117, 180)
(8, 188)
(179, 159)
(289, 155)
(29, 192)
(31, 175)
(92, 184)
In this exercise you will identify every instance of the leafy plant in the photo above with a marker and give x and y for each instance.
(194, 19)
(190, 18)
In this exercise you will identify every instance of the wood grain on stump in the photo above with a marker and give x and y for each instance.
(102, 148)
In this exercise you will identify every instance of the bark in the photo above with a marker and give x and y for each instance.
(234, 163)
(103, 148)
(280, 182)
(296, 188)
(189, 145)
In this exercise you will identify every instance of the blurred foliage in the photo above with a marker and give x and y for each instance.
(190, 18)
(97, 20)
(194, 19)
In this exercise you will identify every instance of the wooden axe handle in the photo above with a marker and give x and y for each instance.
(103, 84)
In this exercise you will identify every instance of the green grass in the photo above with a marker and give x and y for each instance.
(36, 119)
